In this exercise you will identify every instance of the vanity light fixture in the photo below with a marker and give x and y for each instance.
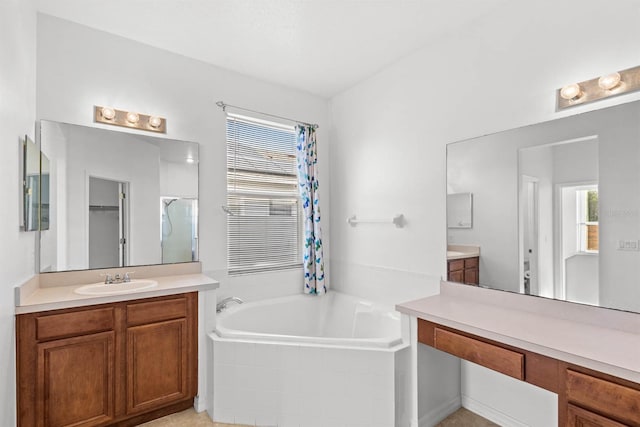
(571, 91)
(133, 118)
(605, 86)
(129, 119)
(155, 121)
(108, 113)
(609, 82)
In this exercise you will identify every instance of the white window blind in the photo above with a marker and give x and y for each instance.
(263, 227)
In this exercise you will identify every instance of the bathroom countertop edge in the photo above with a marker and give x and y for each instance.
(61, 297)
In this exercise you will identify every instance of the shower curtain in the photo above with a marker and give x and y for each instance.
(313, 259)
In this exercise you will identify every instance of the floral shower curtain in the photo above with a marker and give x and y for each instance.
(313, 259)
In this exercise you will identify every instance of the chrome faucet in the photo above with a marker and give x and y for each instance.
(109, 279)
(223, 304)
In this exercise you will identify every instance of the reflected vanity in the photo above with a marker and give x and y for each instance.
(118, 199)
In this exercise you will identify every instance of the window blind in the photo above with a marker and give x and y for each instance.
(263, 227)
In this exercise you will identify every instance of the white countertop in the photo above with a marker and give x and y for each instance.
(601, 348)
(462, 251)
(57, 297)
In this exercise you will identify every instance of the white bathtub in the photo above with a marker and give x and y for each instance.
(332, 319)
(308, 361)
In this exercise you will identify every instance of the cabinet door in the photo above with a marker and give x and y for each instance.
(471, 276)
(75, 381)
(157, 365)
(456, 276)
(578, 417)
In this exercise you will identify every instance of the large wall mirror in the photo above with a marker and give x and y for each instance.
(117, 199)
(556, 207)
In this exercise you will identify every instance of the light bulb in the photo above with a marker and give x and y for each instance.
(155, 122)
(610, 81)
(190, 160)
(571, 91)
(108, 113)
(133, 118)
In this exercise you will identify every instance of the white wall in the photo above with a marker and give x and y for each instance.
(79, 67)
(390, 131)
(17, 117)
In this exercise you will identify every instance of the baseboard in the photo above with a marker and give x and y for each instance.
(200, 403)
(433, 417)
(490, 413)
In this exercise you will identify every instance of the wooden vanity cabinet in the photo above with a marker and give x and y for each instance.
(112, 364)
(159, 367)
(595, 399)
(464, 270)
(586, 398)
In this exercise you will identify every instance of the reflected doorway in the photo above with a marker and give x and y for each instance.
(107, 223)
(579, 245)
(530, 232)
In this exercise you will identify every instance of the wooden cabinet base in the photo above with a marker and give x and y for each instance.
(158, 413)
(464, 270)
(113, 364)
(586, 398)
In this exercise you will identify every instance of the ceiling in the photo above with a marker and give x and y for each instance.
(319, 46)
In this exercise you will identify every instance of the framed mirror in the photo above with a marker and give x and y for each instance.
(459, 210)
(117, 199)
(556, 207)
(35, 187)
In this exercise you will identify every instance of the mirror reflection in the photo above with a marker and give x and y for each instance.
(556, 208)
(118, 199)
(35, 181)
(459, 210)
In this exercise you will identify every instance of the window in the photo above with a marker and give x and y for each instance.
(264, 227)
(587, 204)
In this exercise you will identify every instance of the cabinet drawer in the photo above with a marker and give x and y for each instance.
(578, 417)
(471, 262)
(156, 311)
(456, 264)
(488, 355)
(606, 397)
(75, 323)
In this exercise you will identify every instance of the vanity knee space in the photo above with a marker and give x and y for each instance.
(585, 396)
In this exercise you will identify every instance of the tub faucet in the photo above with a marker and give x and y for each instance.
(223, 304)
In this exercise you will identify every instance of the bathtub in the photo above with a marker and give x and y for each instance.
(332, 319)
(306, 361)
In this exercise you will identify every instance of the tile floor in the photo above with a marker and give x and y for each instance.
(189, 418)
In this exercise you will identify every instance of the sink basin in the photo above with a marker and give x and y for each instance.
(454, 253)
(135, 285)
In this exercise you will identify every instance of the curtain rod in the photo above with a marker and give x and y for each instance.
(222, 105)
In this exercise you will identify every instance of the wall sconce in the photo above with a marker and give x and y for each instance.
(608, 85)
(129, 119)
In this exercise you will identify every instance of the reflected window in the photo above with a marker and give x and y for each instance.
(587, 221)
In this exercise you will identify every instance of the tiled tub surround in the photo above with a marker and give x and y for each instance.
(52, 291)
(294, 371)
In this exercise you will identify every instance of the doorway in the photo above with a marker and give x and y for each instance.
(107, 223)
(529, 210)
(179, 234)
